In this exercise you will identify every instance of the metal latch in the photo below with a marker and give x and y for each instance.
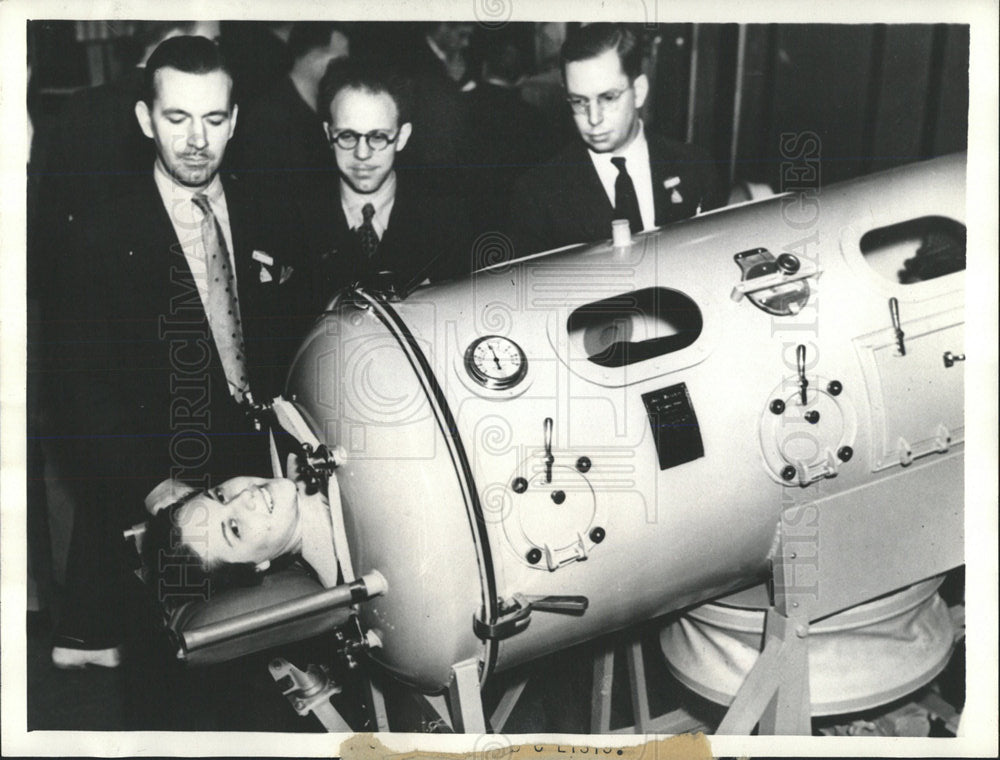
(515, 613)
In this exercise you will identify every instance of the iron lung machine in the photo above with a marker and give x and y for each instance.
(576, 442)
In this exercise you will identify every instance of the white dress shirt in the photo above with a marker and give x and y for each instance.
(636, 155)
(382, 200)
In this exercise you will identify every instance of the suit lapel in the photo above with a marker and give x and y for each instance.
(670, 195)
(585, 194)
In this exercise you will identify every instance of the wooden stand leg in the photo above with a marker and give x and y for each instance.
(637, 684)
(600, 700)
(507, 702)
(776, 690)
(466, 700)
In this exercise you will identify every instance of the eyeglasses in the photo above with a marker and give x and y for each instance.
(606, 100)
(376, 140)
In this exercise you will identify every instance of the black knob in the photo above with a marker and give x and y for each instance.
(597, 535)
(583, 464)
(558, 496)
(834, 387)
(520, 485)
(788, 263)
(845, 453)
(788, 472)
(812, 417)
(777, 406)
(533, 556)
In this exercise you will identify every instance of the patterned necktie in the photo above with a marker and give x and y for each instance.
(366, 232)
(223, 305)
(626, 202)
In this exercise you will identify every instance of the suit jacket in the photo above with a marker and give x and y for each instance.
(563, 201)
(427, 237)
(280, 144)
(136, 379)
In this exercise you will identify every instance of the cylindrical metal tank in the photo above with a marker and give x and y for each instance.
(627, 424)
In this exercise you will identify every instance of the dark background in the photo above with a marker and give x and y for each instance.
(877, 95)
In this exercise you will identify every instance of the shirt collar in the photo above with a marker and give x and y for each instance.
(635, 152)
(171, 189)
(354, 201)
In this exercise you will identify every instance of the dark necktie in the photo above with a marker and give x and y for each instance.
(366, 232)
(626, 202)
(223, 305)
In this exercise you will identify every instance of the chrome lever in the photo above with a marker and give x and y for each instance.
(894, 313)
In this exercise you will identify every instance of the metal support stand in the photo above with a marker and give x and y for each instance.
(309, 691)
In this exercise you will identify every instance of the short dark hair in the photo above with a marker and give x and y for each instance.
(591, 40)
(187, 53)
(343, 73)
(174, 571)
(309, 35)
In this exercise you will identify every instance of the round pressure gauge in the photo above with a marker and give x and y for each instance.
(496, 362)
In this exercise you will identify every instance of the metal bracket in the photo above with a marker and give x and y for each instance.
(309, 691)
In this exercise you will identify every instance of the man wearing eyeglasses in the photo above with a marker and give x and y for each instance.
(375, 224)
(618, 169)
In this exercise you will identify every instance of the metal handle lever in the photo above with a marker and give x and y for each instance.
(515, 613)
(568, 605)
(894, 314)
(950, 358)
(549, 459)
(800, 362)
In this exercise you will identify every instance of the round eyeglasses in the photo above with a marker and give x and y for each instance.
(606, 100)
(375, 140)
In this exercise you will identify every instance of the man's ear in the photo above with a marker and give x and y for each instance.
(144, 118)
(641, 87)
(261, 567)
(232, 120)
(404, 135)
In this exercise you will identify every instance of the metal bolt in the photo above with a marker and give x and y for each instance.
(801, 631)
(583, 464)
(558, 496)
(520, 485)
(777, 406)
(845, 453)
(788, 472)
(534, 556)
(834, 387)
(788, 263)
(812, 416)
(793, 555)
(597, 535)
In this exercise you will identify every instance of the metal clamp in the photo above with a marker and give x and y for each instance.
(515, 613)
(315, 465)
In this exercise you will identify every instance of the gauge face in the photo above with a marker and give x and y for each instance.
(496, 362)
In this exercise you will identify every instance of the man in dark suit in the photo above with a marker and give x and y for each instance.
(375, 223)
(172, 317)
(281, 141)
(617, 169)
